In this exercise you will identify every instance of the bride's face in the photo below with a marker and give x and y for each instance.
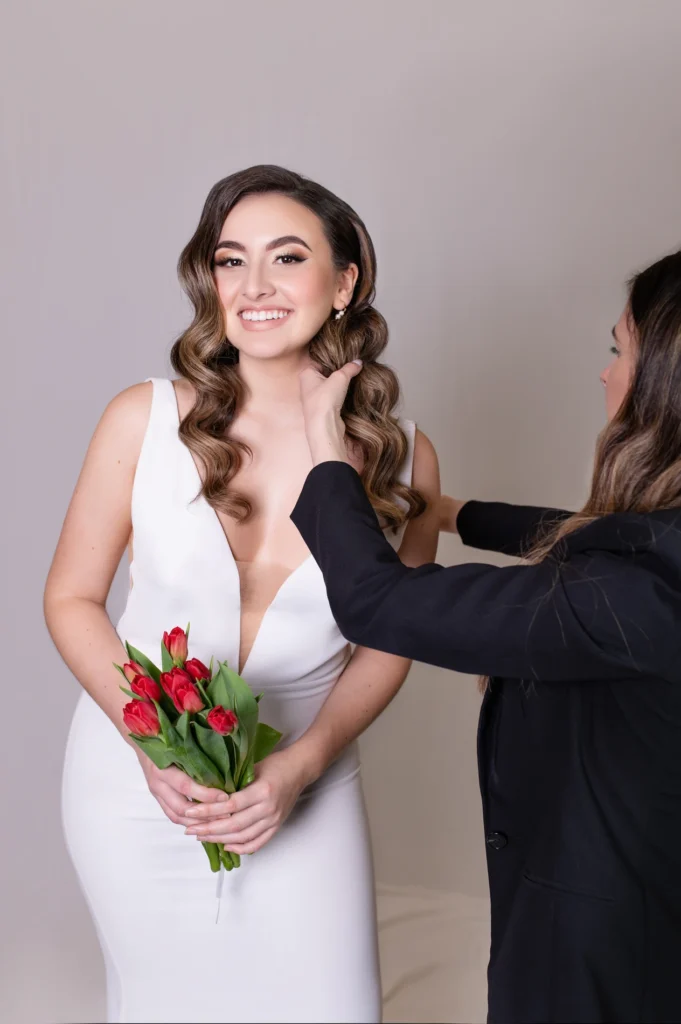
(275, 276)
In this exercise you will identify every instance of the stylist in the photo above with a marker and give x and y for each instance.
(580, 728)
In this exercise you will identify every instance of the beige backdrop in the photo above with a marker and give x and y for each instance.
(514, 163)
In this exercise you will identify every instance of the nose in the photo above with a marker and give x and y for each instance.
(604, 376)
(257, 285)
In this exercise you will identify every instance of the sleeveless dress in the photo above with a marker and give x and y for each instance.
(290, 936)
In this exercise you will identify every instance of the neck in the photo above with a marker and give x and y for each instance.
(272, 382)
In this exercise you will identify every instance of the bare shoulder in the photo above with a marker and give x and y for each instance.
(426, 471)
(124, 422)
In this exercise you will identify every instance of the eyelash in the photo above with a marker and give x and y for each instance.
(231, 261)
(614, 349)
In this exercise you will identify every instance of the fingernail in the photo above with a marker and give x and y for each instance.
(191, 812)
(190, 832)
(358, 361)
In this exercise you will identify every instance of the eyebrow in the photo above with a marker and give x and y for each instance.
(614, 334)
(276, 243)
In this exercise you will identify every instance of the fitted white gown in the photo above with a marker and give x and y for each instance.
(295, 937)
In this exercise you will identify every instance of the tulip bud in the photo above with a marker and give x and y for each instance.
(181, 689)
(222, 720)
(141, 718)
(132, 669)
(196, 669)
(143, 686)
(176, 645)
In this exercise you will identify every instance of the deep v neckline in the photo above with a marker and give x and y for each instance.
(202, 502)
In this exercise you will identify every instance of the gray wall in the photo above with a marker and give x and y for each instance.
(514, 163)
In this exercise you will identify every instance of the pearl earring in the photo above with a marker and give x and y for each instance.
(339, 314)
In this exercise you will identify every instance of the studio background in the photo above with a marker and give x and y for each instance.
(514, 163)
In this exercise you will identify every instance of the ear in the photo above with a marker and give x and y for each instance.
(347, 279)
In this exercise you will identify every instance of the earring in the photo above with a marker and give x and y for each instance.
(339, 314)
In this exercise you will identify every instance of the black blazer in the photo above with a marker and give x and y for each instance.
(579, 740)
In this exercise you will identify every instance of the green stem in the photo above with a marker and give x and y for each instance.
(213, 852)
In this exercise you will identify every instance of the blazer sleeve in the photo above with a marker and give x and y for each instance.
(597, 616)
(508, 529)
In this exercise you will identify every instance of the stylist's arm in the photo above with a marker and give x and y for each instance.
(528, 621)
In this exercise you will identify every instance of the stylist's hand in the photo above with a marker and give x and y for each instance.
(253, 815)
(322, 398)
(175, 792)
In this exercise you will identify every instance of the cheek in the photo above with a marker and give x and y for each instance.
(227, 288)
(310, 289)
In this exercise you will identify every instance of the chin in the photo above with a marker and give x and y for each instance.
(267, 348)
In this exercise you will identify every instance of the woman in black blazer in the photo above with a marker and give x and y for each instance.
(580, 729)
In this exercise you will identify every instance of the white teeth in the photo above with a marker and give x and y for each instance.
(264, 314)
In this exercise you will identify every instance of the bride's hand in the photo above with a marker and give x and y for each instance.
(258, 811)
(175, 791)
(322, 399)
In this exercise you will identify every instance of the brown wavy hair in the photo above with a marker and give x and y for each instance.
(637, 465)
(205, 357)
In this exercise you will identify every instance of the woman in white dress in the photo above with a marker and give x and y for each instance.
(197, 477)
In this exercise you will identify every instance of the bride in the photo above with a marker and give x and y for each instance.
(197, 478)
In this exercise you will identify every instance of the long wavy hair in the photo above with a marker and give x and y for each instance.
(637, 465)
(205, 357)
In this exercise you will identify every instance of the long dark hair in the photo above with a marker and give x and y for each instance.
(204, 356)
(637, 467)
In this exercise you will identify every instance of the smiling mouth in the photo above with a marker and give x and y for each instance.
(253, 315)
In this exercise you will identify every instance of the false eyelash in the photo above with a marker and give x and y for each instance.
(291, 256)
(227, 259)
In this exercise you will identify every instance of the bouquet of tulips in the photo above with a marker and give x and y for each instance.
(203, 721)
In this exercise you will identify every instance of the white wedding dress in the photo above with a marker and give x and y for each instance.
(295, 937)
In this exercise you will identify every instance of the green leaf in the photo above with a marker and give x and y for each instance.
(219, 691)
(142, 660)
(197, 764)
(129, 693)
(213, 745)
(166, 660)
(182, 725)
(248, 775)
(245, 704)
(204, 696)
(259, 697)
(213, 851)
(120, 669)
(170, 733)
(242, 745)
(156, 750)
(266, 739)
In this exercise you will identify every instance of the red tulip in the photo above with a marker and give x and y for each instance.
(181, 689)
(141, 718)
(196, 669)
(176, 645)
(222, 720)
(132, 669)
(143, 686)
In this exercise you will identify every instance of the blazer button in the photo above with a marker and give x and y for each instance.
(497, 840)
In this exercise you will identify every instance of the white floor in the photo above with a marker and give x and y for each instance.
(434, 950)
